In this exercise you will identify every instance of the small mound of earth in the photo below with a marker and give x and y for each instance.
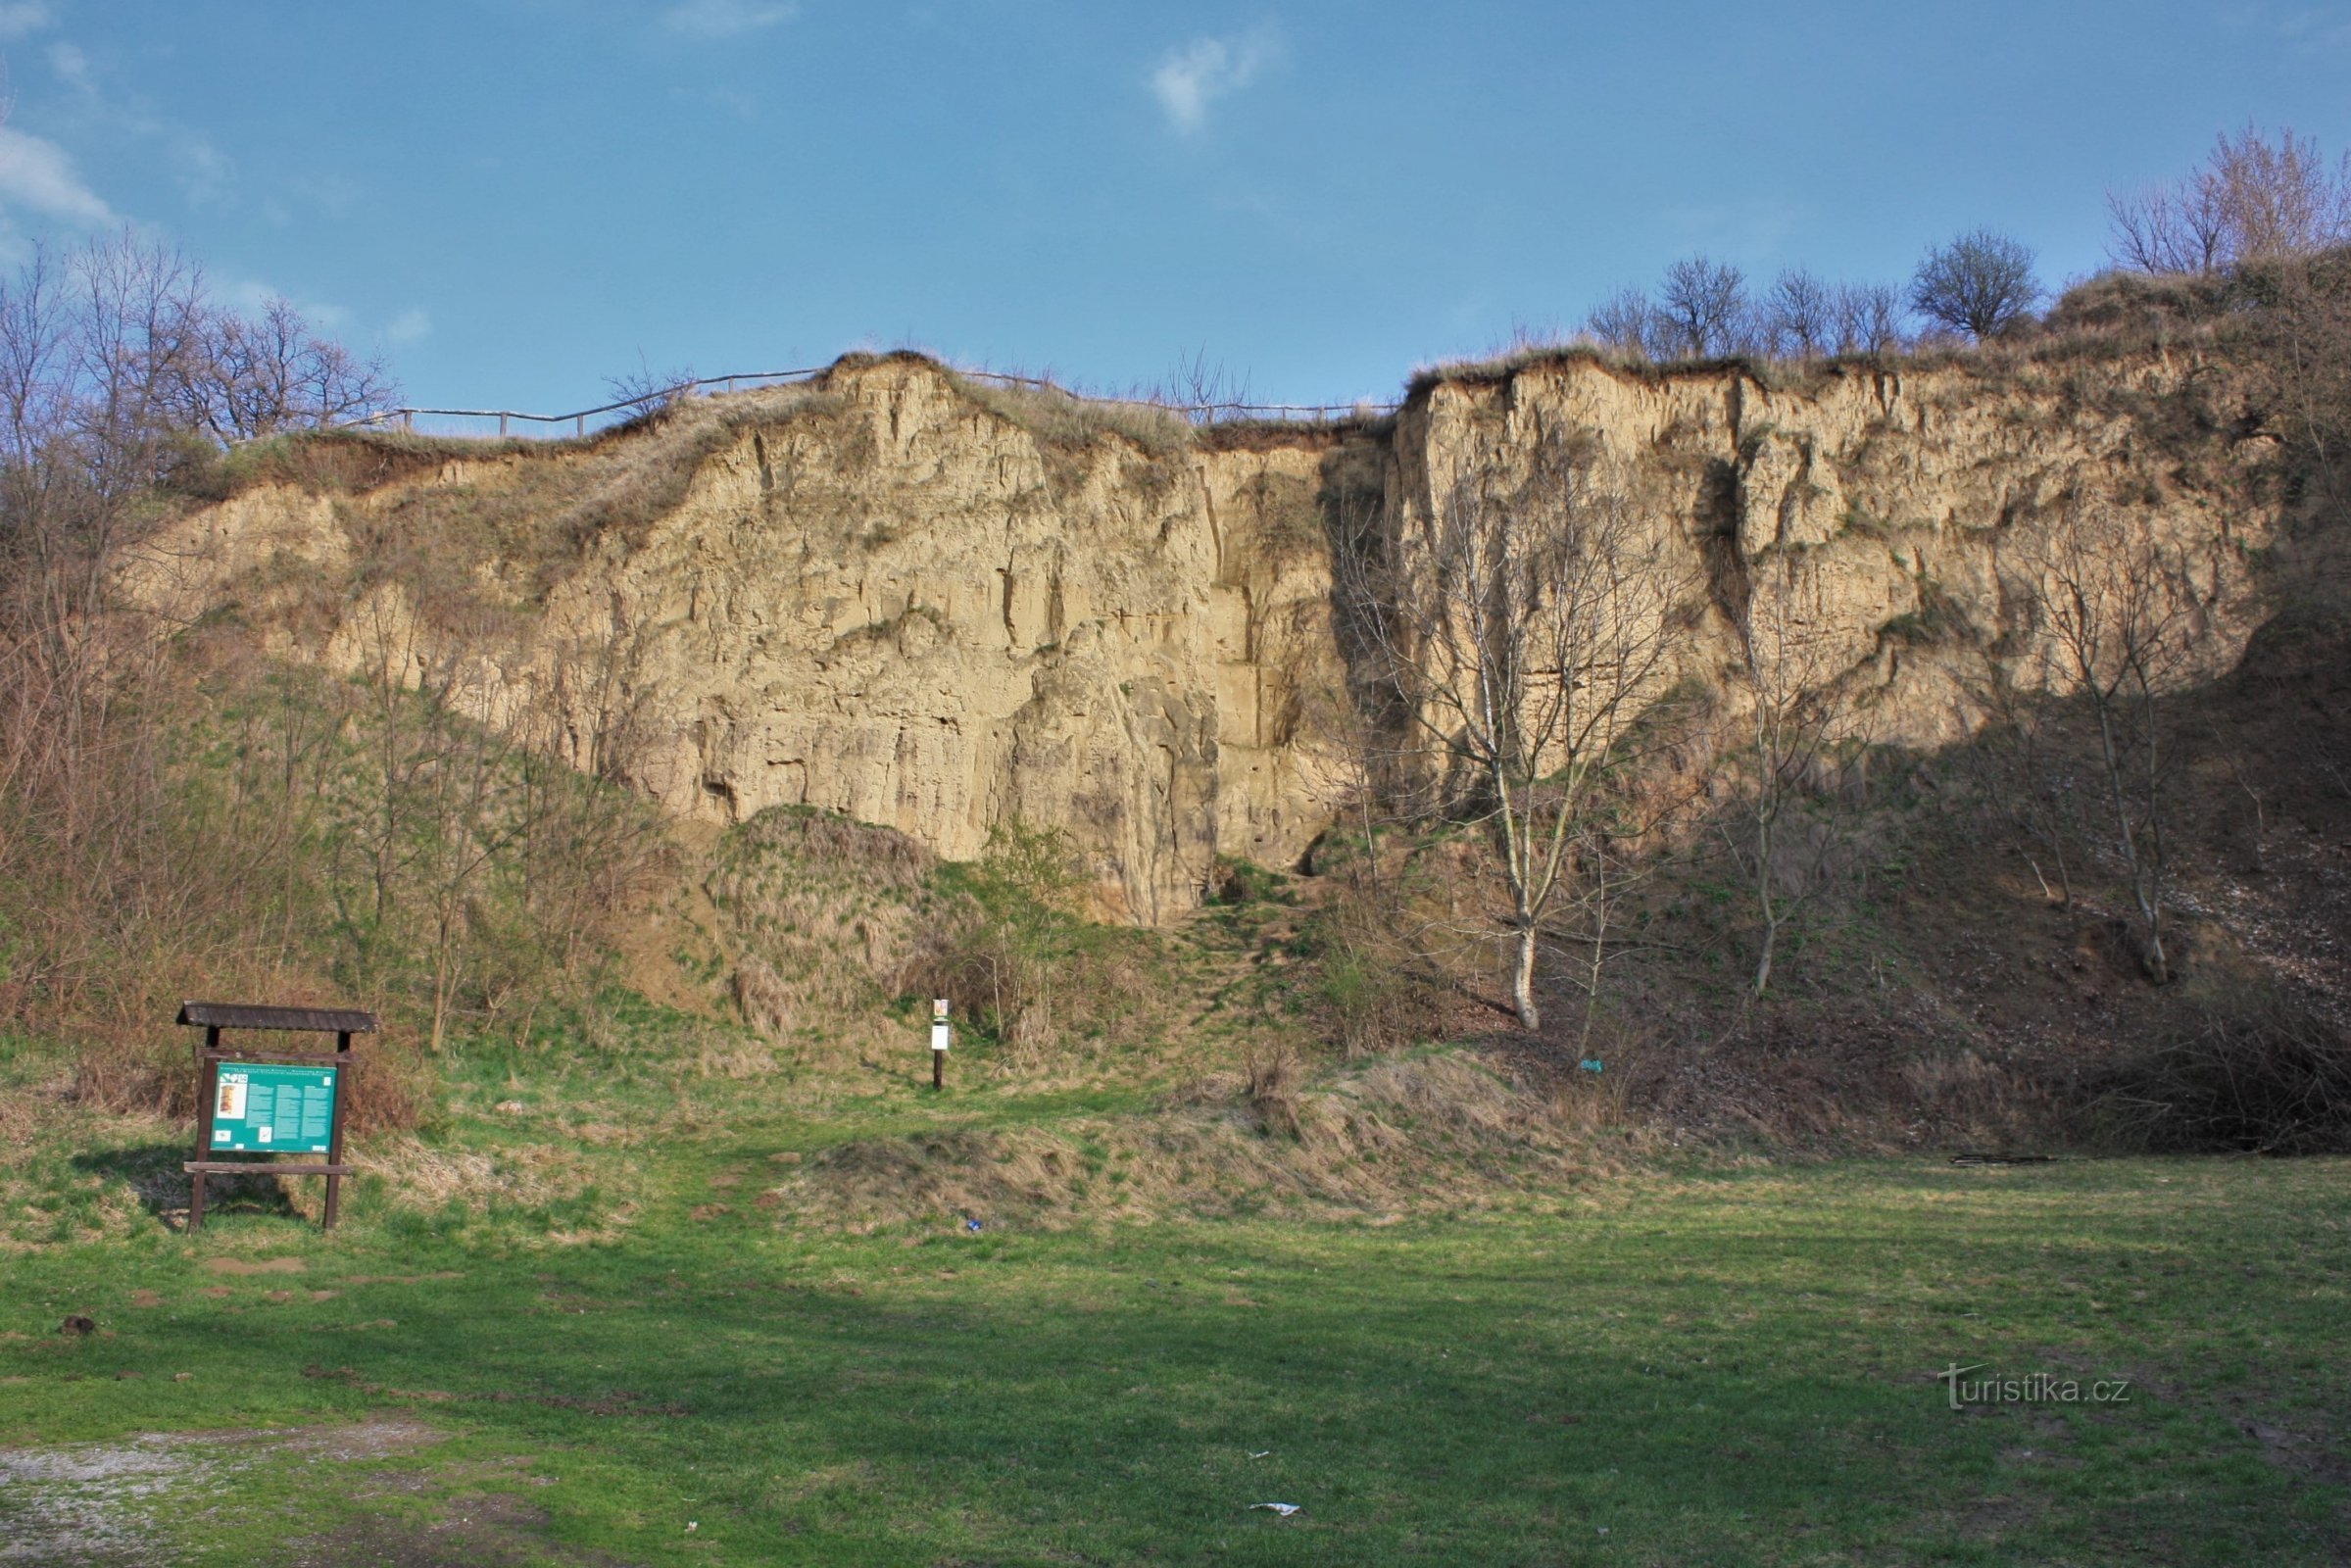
(1392, 1136)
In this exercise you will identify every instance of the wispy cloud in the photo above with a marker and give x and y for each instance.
(72, 66)
(204, 170)
(2306, 29)
(21, 17)
(2327, 28)
(1192, 77)
(38, 176)
(252, 296)
(726, 19)
(408, 327)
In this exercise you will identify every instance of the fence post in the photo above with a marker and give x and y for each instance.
(501, 422)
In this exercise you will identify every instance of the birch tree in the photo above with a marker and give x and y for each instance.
(1524, 629)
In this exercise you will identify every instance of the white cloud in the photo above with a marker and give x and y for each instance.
(37, 175)
(72, 66)
(1206, 70)
(725, 18)
(205, 172)
(21, 17)
(408, 327)
(251, 296)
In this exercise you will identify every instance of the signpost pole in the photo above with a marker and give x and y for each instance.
(334, 1128)
(207, 1096)
(938, 1035)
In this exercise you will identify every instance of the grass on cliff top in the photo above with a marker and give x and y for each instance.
(641, 1360)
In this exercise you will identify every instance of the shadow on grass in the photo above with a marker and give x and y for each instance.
(153, 1172)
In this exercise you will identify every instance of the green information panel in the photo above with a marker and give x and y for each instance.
(272, 1109)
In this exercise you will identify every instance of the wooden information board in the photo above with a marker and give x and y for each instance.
(260, 1104)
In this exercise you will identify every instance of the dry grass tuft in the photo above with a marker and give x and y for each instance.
(1057, 418)
(1272, 1083)
(1434, 1132)
(420, 1175)
(823, 913)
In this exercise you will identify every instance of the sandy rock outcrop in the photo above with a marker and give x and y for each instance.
(900, 600)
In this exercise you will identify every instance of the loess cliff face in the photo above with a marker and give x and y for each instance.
(919, 606)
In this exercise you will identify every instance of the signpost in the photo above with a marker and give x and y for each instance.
(266, 1103)
(938, 1039)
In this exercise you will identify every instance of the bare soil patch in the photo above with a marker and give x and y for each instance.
(103, 1503)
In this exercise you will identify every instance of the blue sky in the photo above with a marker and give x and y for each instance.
(514, 200)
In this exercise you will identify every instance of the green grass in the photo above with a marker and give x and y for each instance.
(1727, 1366)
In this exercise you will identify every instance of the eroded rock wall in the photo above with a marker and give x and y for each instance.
(900, 603)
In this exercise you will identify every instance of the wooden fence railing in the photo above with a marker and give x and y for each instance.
(1198, 413)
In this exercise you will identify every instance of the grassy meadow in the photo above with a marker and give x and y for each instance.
(636, 1354)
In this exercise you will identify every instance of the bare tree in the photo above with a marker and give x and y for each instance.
(259, 376)
(86, 346)
(1799, 314)
(2251, 200)
(2116, 608)
(1869, 317)
(1704, 305)
(2183, 229)
(1202, 390)
(1977, 285)
(1524, 630)
(1786, 673)
(472, 815)
(1626, 321)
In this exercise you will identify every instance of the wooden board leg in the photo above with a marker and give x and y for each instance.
(335, 1190)
(195, 1202)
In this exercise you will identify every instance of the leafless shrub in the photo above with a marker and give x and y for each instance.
(1272, 1086)
(1627, 322)
(1203, 391)
(148, 1073)
(645, 391)
(2250, 1071)
(1378, 980)
(2251, 200)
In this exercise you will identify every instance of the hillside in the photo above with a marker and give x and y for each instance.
(926, 679)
